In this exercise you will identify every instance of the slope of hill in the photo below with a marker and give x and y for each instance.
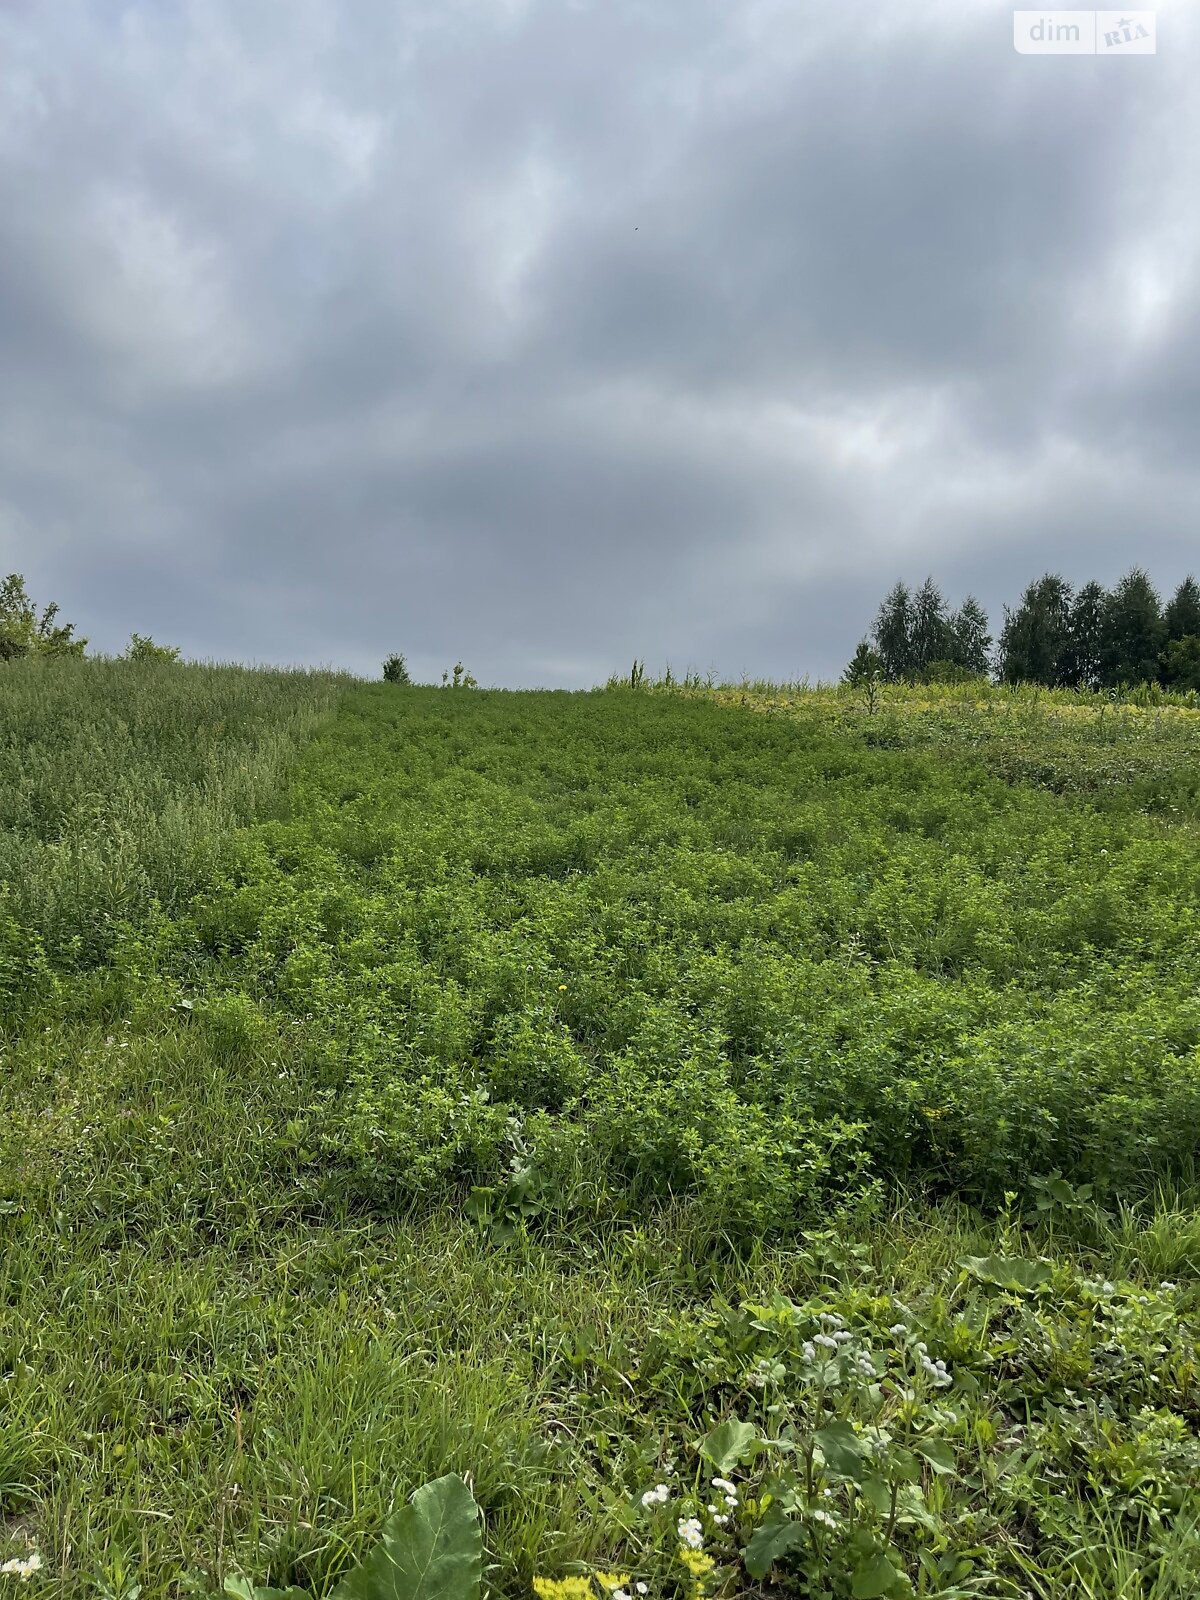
(538, 1086)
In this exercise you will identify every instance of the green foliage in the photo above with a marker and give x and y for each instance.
(893, 633)
(516, 1085)
(948, 672)
(23, 633)
(1035, 642)
(460, 678)
(917, 636)
(1084, 660)
(395, 670)
(865, 667)
(431, 1549)
(1182, 616)
(1056, 637)
(870, 1442)
(1133, 631)
(117, 789)
(1181, 663)
(142, 649)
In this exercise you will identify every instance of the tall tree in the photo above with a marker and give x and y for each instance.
(1182, 616)
(892, 633)
(1086, 630)
(24, 633)
(1181, 662)
(970, 641)
(1035, 639)
(1133, 631)
(932, 638)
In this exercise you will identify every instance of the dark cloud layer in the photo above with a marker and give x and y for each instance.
(541, 334)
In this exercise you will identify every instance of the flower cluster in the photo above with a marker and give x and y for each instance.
(730, 1496)
(834, 1340)
(658, 1496)
(700, 1566)
(691, 1533)
(22, 1567)
(934, 1369)
(618, 1585)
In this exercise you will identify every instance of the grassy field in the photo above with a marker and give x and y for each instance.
(587, 1093)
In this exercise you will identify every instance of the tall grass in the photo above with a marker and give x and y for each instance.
(119, 780)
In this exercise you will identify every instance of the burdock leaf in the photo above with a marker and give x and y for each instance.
(431, 1549)
(729, 1442)
(1008, 1272)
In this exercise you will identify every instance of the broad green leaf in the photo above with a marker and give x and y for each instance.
(911, 1507)
(769, 1541)
(1008, 1272)
(432, 1549)
(842, 1450)
(877, 1493)
(938, 1452)
(243, 1589)
(729, 1442)
(873, 1577)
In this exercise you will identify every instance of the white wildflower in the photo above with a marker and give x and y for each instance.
(724, 1485)
(691, 1534)
(898, 1328)
(809, 1350)
(22, 1567)
(642, 1588)
(825, 1341)
(658, 1496)
(824, 1519)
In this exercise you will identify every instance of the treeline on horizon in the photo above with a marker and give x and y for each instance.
(1089, 638)
(1065, 638)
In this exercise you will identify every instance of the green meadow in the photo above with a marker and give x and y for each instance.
(596, 1095)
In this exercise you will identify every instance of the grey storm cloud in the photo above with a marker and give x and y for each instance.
(542, 334)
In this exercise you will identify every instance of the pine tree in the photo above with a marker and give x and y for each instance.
(1182, 616)
(865, 666)
(1133, 632)
(892, 633)
(931, 636)
(970, 641)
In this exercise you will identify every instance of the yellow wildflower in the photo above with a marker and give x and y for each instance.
(699, 1565)
(564, 1589)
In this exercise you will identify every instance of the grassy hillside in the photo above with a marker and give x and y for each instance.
(117, 781)
(526, 1085)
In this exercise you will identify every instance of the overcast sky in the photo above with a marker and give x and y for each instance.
(544, 334)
